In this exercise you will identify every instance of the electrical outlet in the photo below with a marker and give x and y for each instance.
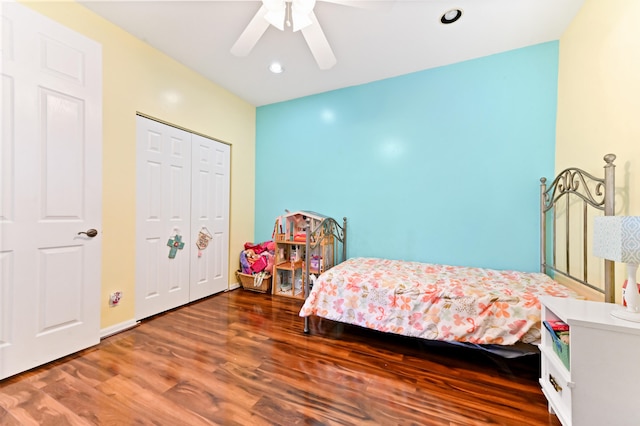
(114, 298)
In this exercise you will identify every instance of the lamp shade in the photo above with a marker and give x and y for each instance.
(617, 238)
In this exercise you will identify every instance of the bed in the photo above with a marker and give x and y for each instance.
(467, 305)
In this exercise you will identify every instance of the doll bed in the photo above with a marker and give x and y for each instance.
(475, 306)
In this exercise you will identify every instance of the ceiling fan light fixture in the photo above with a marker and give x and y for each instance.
(451, 16)
(301, 11)
(276, 19)
(303, 6)
(297, 12)
(275, 15)
(280, 12)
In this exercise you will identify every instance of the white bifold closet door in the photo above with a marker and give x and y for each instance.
(182, 190)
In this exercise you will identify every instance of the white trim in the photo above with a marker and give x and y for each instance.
(118, 328)
(313, 215)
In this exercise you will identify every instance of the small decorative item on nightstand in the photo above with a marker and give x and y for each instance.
(617, 238)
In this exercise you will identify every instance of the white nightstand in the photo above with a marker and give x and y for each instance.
(602, 384)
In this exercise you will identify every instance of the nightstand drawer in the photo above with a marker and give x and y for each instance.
(557, 389)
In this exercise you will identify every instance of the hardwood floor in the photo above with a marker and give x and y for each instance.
(241, 358)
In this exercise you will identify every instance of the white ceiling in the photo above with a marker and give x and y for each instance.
(373, 41)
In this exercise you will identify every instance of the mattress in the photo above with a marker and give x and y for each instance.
(434, 302)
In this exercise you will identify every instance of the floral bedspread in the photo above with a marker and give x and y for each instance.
(436, 302)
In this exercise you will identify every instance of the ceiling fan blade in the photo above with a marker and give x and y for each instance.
(318, 44)
(251, 34)
(363, 4)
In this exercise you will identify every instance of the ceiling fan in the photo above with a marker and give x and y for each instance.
(296, 13)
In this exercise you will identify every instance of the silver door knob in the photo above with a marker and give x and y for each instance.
(90, 233)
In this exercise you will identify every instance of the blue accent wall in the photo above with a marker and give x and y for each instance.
(441, 165)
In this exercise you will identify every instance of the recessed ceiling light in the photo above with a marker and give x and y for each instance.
(276, 68)
(451, 16)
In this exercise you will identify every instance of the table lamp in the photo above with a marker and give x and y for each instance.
(617, 238)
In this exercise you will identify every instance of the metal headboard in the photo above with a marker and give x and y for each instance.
(577, 185)
(328, 227)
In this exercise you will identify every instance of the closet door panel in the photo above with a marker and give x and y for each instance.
(163, 198)
(210, 211)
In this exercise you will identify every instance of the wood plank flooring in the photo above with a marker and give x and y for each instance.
(241, 358)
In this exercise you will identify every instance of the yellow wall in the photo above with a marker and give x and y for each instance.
(138, 78)
(599, 98)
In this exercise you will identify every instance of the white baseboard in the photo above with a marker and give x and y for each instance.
(118, 328)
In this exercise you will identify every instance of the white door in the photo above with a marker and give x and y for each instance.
(182, 190)
(209, 217)
(51, 183)
(163, 206)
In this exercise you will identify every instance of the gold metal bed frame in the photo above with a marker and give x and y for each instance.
(575, 185)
